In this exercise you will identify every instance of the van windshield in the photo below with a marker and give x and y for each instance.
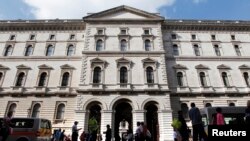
(22, 123)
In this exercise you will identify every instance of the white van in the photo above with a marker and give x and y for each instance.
(30, 129)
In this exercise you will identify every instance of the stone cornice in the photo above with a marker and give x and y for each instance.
(40, 58)
(123, 52)
(206, 25)
(208, 58)
(39, 25)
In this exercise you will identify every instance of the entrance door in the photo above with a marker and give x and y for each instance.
(152, 121)
(123, 119)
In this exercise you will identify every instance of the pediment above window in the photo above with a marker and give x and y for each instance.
(201, 66)
(2, 67)
(149, 62)
(123, 13)
(97, 62)
(22, 66)
(223, 66)
(244, 66)
(67, 66)
(123, 60)
(44, 66)
(179, 66)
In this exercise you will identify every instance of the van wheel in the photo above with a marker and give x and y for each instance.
(22, 139)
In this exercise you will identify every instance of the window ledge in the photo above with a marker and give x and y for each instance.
(59, 120)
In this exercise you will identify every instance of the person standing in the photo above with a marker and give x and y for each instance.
(219, 117)
(75, 131)
(138, 132)
(198, 129)
(108, 133)
(62, 136)
(183, 129)
(247, 112)
(6, 126)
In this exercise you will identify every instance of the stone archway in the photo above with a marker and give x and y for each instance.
(94, 111)
(152, 119)
(123, 118)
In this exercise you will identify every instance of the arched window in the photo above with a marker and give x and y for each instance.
(246, 78)
(29, 50)
(175, 50)
(65, 79)
(217, 50)
(42, 79)
(20, 79)
(123, 75)
(150, 75)
(70, 50)
(97, 75)
(50, 50)
(197, 50)
(124, 45)
(225, 79)
(231, 104)
(184, 109)
(203, 79)
(12, 108)
(60, 111)
(36, 110)
(1, 76)
(180, 78)
(147, 45)
(99, 45)
(8, 51)
(237, 50)
(208, 105)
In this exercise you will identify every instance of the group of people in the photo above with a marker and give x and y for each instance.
(182, 133)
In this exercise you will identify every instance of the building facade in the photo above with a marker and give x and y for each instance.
(122, 64)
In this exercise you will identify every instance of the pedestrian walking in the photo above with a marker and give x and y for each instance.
(219, 118)
(108, 133)
(198, 129)
(62, 136)
(6, 126)
(75, 131)
(184, 130)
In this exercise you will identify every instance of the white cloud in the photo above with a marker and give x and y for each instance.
(69, 9)
(198, 1)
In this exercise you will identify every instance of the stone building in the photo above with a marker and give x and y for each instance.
(121, 64)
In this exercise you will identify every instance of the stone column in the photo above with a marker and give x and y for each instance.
(165, 128)
(138, 115)
(106, 118)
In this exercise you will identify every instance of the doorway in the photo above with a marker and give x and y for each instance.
(123, 119)
(152, 120)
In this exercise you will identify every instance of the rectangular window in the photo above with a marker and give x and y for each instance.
(72, 37)
(193, 37)
(213, 37)
(237, 50)
(32, 37)
(146, 32)
(173, 36)
(123, 31)
(232, 37)
(12, 37)
(100, 32)
(52, 37)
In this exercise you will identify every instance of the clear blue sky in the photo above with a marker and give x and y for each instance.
(172, 9)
